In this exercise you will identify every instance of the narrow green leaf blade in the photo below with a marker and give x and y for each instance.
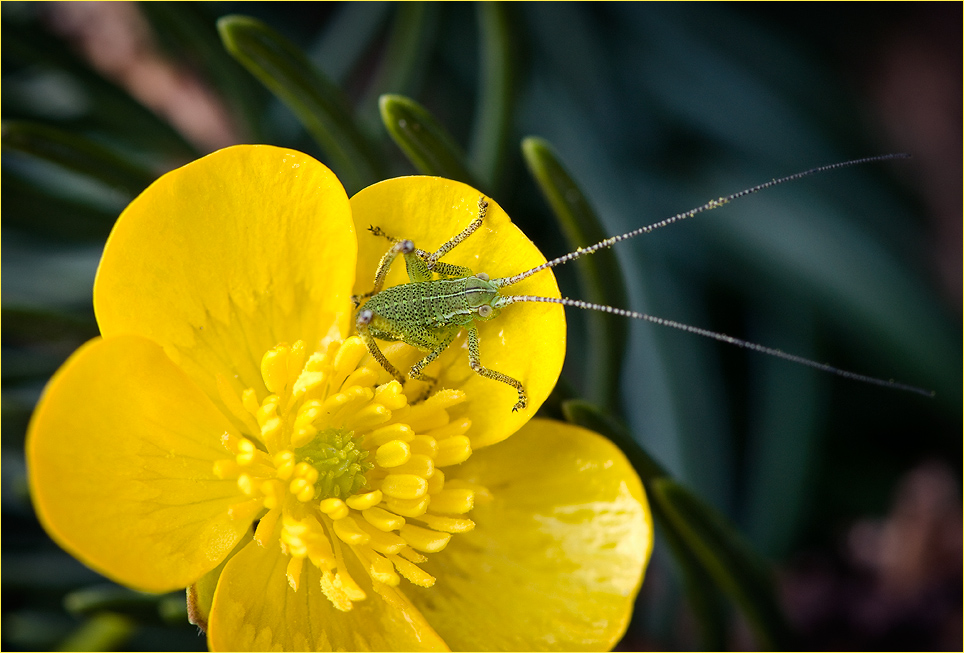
(423, 139)
(490, 134)
(407, 49)
(600, 277)
(317, 102)
(727, 557)
(77, 153)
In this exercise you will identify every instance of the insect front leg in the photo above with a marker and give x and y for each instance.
(476, 364)
(459, 237)
(361, 325)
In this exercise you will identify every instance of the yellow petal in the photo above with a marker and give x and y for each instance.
(526, 341)
(222, 259)
(256, 610)
(121, 451)
(563, 545)
(200, 595)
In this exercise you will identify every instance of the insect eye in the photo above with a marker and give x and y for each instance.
(406, 247)
(483, 276)
(364, 317)
(485, 310)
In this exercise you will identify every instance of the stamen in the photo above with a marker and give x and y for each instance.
(334, 465)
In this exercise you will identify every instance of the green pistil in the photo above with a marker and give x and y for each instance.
(340, 461)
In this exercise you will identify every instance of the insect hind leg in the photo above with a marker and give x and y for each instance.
(476, 364)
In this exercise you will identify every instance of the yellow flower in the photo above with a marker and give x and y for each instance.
(227, 432)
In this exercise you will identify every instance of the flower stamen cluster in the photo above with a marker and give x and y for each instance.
(335, 465)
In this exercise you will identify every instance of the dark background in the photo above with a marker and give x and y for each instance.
(852, 491)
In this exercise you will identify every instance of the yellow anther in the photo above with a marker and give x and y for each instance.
(271, 429)
(250, 401)
(447, 524)
(246, 484)
(363, 376)
(445, 398)
(368, 417)
(245, 452)
(302, 489)
(272, 491)
(381, 541)
(307, 381)
(412, 573)
(335, 401)
(407, 507)
(229, 396)
(382, 519)
(268, 408)
(334, 593)
(391, 432)
(284, 462)
(425, 445)
(306, 471)
(382, 570)
(404, 486)
(454, 427)
(364, 501)
(349, 532)
(412, 555)
(350, 353)
(424, 539)
(334, 508)
(418, 465)
(390, 395)
(393, 454)
(274, 368)
(436, 482)
(266, 527)
(453, 501)
(308, 412)
(348, 585)
(294, 572)
(453, 451)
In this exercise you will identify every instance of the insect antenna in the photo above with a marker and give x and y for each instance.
(712, 204)
(722, 337)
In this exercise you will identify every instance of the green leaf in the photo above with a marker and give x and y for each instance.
(600, 278)
(407, 51)
(35, 211)
(317, 102)
(423, 139)
(143, 607)
(493, 117)
(77, 153)
(727, 557)
(102, 632)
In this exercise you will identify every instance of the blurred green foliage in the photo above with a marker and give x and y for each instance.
(638, 112)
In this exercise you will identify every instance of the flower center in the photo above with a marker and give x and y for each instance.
(336, 461)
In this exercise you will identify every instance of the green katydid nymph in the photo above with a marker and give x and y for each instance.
(441, 299)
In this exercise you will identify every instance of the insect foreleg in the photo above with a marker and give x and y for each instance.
(361, 325)
(459, 237)
(476, 364)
